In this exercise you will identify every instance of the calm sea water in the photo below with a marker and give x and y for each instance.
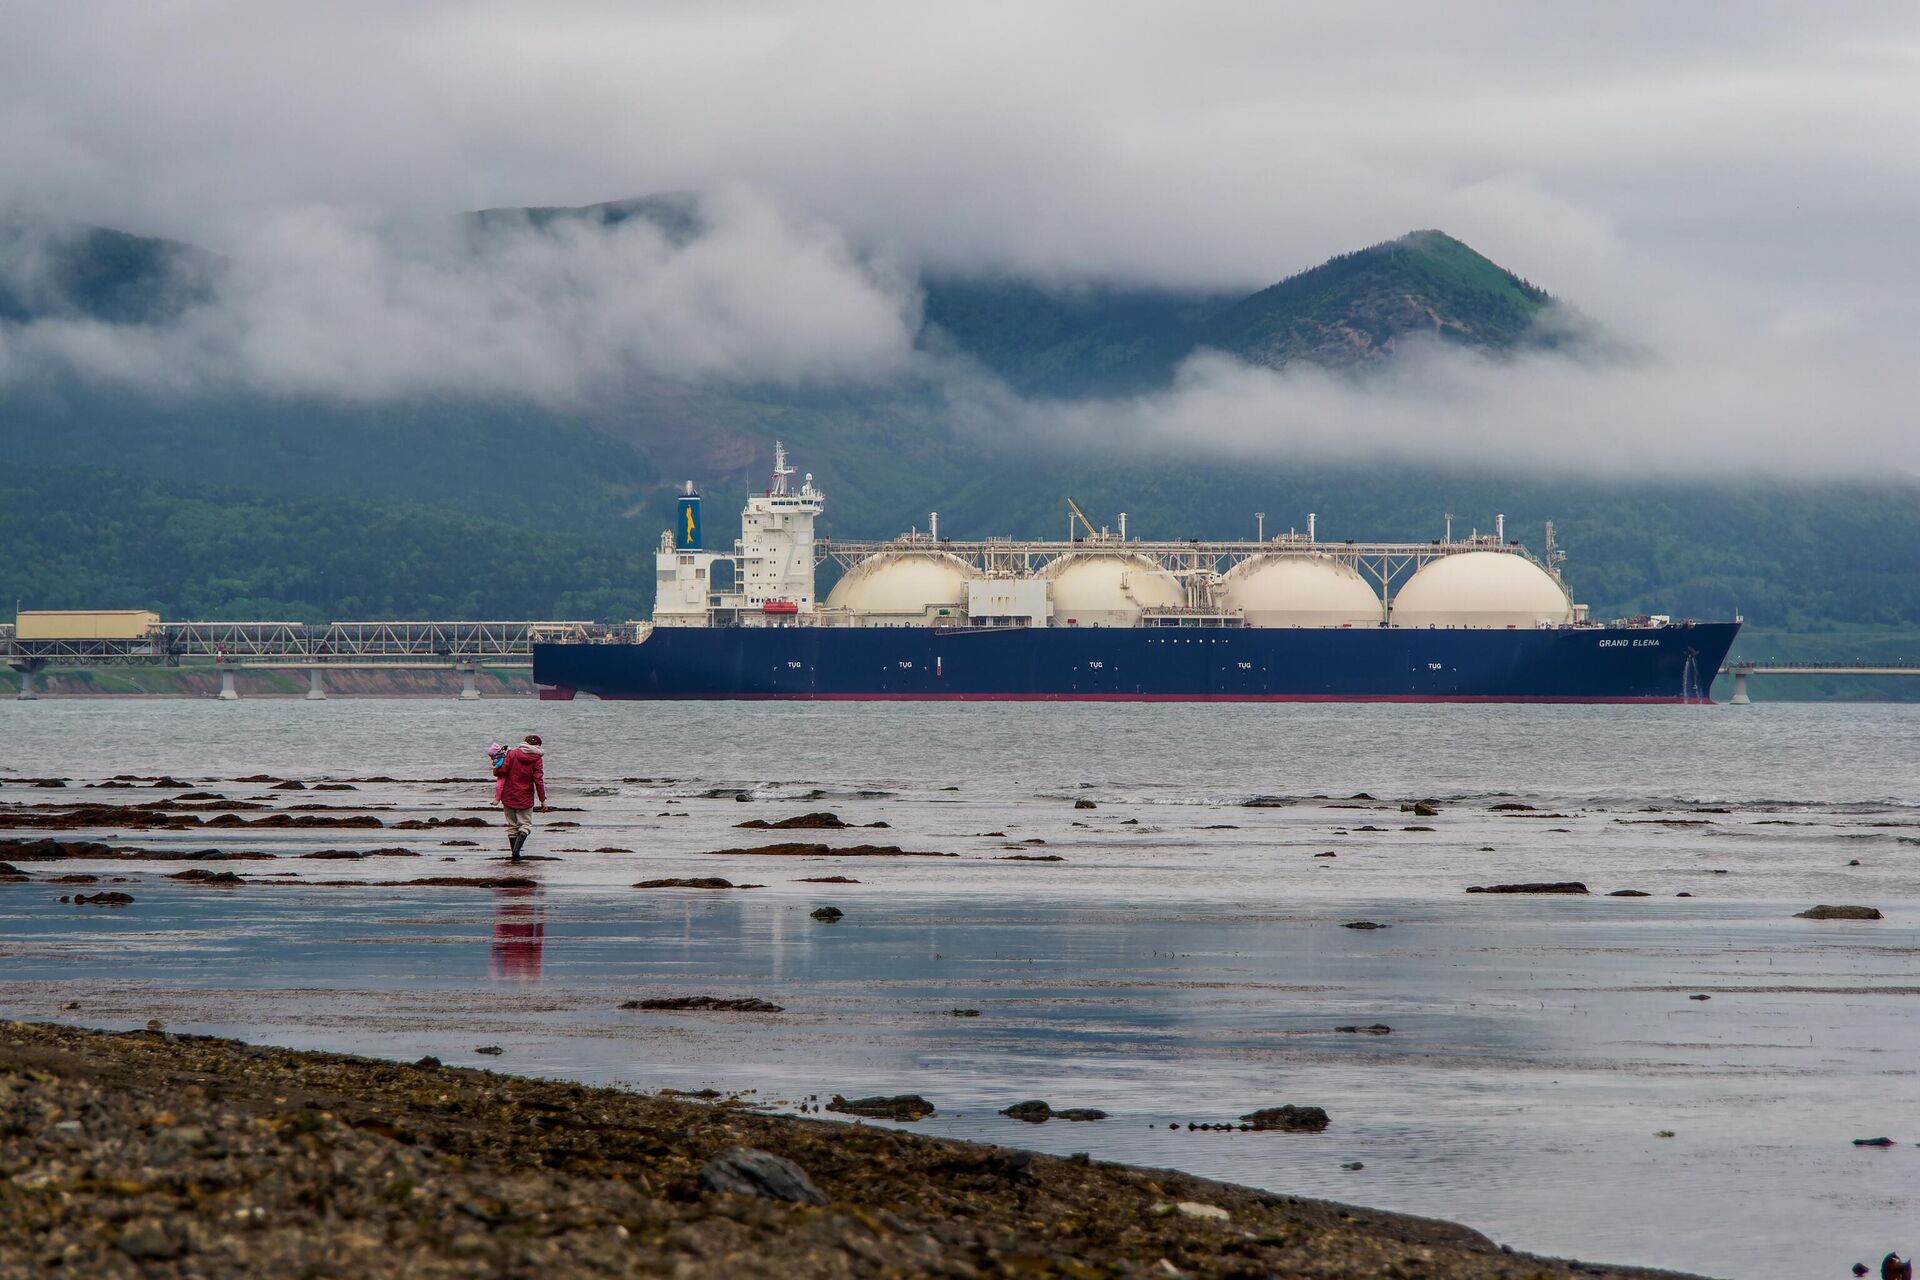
(1183, 961)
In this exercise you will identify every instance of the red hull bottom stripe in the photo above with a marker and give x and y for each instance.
(1137, 697)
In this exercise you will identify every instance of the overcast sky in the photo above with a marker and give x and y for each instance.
(1737, 184)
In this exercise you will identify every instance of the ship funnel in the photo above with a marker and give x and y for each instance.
(686, 525)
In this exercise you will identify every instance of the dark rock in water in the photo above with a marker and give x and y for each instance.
(427, 1063)
(1683, 894)
(826, 880)
(903, 1106)
(1365, 924)
(743, 798)
(1555, 886)
(1130, 822)
(288, 786)
(1220, 826)
(1699, 997)
(1289, 1118)
(490, 1050)
(1629, 893)
(73, 879)
(460, 844)
(1416, 828)
(1374, 1029)
(106, 898)
(747, 1171)
(1352, 1165)
(334, 786)
(1266, 802)
(1873, 1142)
(200, 875)
(965, 1013)
(706, 1004)
(1486, 848)
(1080, 1113)
(1370, 827)
(49, 783)
(1359, 795)
(1030, 857)
(8, 869)
(1853, 862)
(828, 914)
(1326, 855)
(798, 850)
(1084, 804)
(1033, 1111)
(1511, 806)
(1421, 809)
(1838, 913)
(821, 821)
(693, 882)
(466, 882)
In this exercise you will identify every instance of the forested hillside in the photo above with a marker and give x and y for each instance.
(242, 504)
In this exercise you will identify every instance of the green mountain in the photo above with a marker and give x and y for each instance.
(1092, 338)
(250, 505)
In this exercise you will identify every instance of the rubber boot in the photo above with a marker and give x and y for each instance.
(519, 838)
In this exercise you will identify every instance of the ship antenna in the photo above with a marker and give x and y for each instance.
(780, 468)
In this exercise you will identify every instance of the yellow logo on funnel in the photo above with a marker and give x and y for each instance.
(689, 526)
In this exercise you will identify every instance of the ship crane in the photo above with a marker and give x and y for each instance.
(1092, 533)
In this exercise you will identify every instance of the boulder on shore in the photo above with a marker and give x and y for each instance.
(1034, 1111)
(748, 1171)
(1838, 913)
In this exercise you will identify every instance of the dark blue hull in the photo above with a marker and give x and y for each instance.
(1183, 664)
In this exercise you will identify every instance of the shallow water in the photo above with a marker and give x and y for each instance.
(1188, 966)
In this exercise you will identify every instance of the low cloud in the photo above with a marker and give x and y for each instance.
(1816, 402)
(569, 313)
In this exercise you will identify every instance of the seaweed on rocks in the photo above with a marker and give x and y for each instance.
(706, 1004)
(1838, 913)
(695, 882)
(820, 821)
(797, 850)
(1289, 1118)
(900, 1106)
(1554, 886)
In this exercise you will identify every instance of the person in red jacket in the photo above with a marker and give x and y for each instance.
(523, 782)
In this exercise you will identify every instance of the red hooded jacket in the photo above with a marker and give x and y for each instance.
(523, 776)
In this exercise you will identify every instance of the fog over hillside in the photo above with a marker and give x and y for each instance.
(1710, 192)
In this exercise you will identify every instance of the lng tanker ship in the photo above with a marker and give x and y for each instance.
(1104, 617)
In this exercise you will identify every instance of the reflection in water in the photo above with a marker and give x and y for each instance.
(519, 934)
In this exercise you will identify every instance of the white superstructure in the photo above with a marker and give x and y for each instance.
(1100, 580)
(771, 566)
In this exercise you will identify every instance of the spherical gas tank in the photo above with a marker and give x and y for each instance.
(1109, 588)
(902, 586)
(1481, 589)
(1303, 590)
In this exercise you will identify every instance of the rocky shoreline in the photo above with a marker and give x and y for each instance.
(150, 1154)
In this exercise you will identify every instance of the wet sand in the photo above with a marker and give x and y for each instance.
(154, 1154)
